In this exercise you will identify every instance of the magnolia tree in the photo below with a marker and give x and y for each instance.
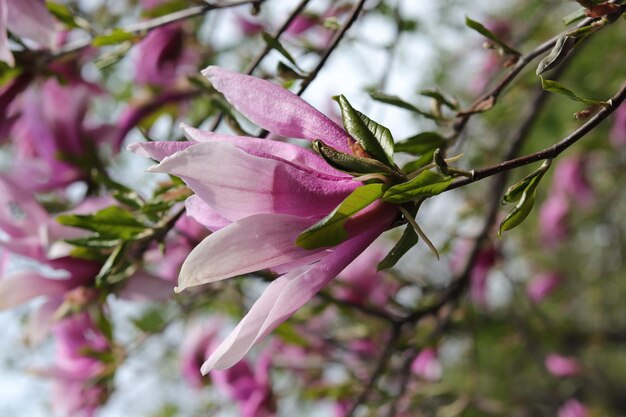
(446, 240)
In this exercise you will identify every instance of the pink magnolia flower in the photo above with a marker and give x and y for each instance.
(542, 285)
(618, 131)
(162, 57)
(198, 343)
(426, 365)
(569, 185)
(76, 391)
(250, 387)
(561, 366)
(258, 196)
(573, 408)
(51, 135)
(28, 19)
(483, 264)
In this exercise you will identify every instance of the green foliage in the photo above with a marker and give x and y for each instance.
(424, 185)
(330, 230)
(480, 28)
(556, 87)
(408, 239)
(114, 37)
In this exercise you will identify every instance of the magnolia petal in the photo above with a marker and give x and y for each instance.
(5, 52)
(204, 214)
(157, 150)
(301, 157)
(251, 244)
(236, 184)
(21, 287)
(31, 19)
(276, 109)
(282, 298)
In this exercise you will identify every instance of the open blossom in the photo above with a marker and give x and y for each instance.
(426, 365)
(29, 19)
(162, 57)
(257, 196)
(561, 366)
(573, 408)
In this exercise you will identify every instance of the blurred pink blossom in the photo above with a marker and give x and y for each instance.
(197, 344)
(162, 57)
(553, 226)
(542, 285)
(561, 366)
(573, 408)
(618, 131)
(427, 366)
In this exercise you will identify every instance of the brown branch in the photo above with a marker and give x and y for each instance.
(550, 152)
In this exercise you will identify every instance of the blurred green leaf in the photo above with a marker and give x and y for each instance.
(478, 27)
(426, 184)
(113, 221)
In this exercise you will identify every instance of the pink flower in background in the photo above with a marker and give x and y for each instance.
(76, 391)
(553, 225)
(573, 408)
(198, 343)
(427, 366)
(542, 285)
(29, 19)
(248, 26)
(561, 366)
(51, 136)
(483, 264)
(162, 57)
(570, 185)
(618, 131)
(258, 196)
(361, 283)
(250, 387)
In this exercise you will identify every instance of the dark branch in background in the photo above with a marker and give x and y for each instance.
(551, 152)
(145, 27)
(522, 62)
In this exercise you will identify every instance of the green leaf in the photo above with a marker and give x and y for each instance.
(515, 191)
(151, 321)
(374, 138)
(478, 27)
(275, 44)
(562, 48)
(452, 104)
(120, 192)
(353, 165)
(112, 222)
(575, 16)
(94, 242)
(526, 199)
(426, 184)
(114, 37)
(398, 102)
(63, 14)
(287, 73)
(330, 230)
(556, 87)
(421, 143)
(408, 239)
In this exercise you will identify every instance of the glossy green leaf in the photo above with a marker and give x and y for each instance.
(556, 87)
(408, 239)
(94, 242)
(351, 164)
(426, 184)
(478, 27)
(373, 137)
(114, 37)
(330, 230)
(524, 193)
(113, 222)
(562, 48)
(421, 143)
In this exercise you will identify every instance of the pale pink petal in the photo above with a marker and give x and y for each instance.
(297, 155)
(250, 244)
(143, 286)
(21, 287)
(282, 298)
(5, 52)
(31, 19)
(158, 150)
(276, 109)
(237, 184)
(204, 214)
